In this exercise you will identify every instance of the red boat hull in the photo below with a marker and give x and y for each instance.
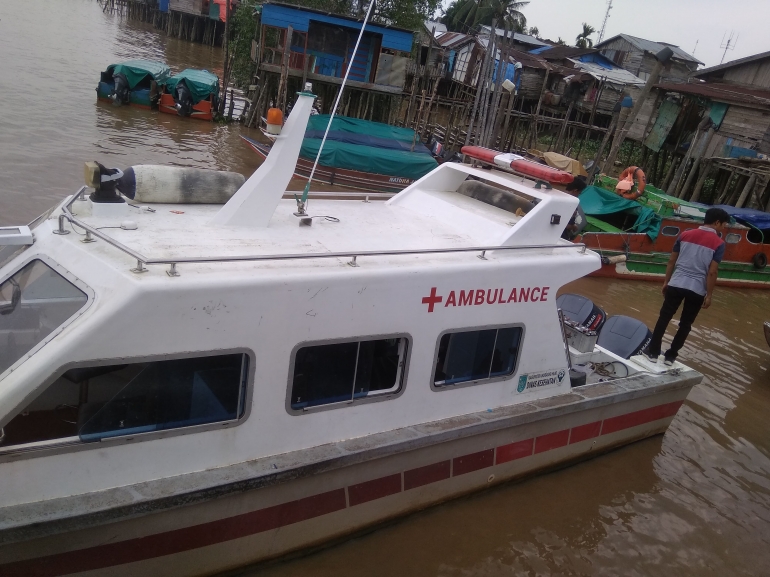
(202, 111)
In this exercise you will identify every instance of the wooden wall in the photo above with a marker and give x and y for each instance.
(753, 74)
(745, 126)
(641, 63)
(188, 6)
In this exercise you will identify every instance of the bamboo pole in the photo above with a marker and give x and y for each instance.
(533, 123)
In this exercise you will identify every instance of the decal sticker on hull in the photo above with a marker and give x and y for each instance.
(535, 380)
(476, 297)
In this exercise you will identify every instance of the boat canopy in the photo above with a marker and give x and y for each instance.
(136, 71)
(401, 163)
(748, 216)
(365, 132)
(201, 83)
(597, 201)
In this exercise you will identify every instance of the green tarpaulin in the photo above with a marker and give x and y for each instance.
(201, 83)
(596, 201)
(137, 70)
(357, 126)
(368, 158)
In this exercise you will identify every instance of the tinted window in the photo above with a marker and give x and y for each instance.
(34, 302)
(343, 372)
(476, 355)
(99, 402)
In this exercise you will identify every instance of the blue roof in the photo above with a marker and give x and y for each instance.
(748, 216)
(283, 16)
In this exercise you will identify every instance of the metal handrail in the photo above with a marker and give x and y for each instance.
(142, 260)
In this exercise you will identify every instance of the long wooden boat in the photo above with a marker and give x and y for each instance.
(191, 94)
(135, 82)
(221, 384)
(643, 258)
(767, 332)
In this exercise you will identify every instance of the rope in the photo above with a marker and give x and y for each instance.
(302, 203)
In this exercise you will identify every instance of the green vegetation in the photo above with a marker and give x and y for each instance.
(583, 40)
(463, 15)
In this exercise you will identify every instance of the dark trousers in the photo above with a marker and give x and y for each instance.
(692, 305)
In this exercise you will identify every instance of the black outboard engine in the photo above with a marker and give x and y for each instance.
(183, 99)
(121, 93)
(624, 336)
(105, 182)
(581, 310)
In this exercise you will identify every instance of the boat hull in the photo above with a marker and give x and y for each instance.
(201, 111)
(339, 176)
(279, 506)
(137, 98)
(767, 332)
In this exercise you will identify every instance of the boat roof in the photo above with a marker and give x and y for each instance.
(200, 82)
(136, 70)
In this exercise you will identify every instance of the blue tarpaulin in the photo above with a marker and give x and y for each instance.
(748, 216)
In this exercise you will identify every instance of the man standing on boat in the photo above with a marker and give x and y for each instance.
(631, 177)
(691, 274)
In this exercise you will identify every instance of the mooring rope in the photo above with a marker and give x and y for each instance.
(303, 202)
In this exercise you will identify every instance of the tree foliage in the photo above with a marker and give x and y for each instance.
(464, 15)
(583, 40)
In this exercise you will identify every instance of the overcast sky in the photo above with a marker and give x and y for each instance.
(680, 22)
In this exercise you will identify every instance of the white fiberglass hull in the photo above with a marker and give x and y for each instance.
(213, 521)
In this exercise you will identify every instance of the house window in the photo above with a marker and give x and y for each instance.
(34, 303)
(326, 374)
(670, 231)
(99, 402)
(478, 355)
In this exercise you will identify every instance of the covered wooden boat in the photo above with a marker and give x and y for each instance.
(359, 154)
(191, 93)
(203, 386)
(635, 238)
(767, 332)
(135, 82)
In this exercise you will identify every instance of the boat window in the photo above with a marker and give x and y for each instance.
(34, 302)
(670, 231)
(347, 372)
(94, 403)
(477, 355)
(732, 238)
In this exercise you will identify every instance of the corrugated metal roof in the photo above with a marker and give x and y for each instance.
(731, 64)
(612, 75)
(652, 47)
(528, 60)
(430, 25)
(720, 92)
(517, 37)
(561, 52)
(453, 39)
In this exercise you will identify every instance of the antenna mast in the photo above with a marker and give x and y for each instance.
(604, 24)
(729, 45)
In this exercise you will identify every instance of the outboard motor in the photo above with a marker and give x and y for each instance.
(121, 93)
(183, 99)
(624, 336)
(581, 310)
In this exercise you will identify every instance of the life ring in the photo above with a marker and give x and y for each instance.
(759, 260)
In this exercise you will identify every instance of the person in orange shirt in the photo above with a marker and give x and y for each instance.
(631, 177)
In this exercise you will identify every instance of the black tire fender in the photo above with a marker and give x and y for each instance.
(759, 260)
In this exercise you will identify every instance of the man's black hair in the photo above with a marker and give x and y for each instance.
(716, 215)
(578, 184)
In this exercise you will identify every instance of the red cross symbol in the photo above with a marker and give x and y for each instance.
(432, 299)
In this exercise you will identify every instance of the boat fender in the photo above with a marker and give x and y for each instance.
(759, 260)
(149, 183)
(495, 196)
(614, 259)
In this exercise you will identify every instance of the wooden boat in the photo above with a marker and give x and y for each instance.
(636, 237)
(135, 82)
(191, 93)
(767, 332)
(195, 390)
(359, 154)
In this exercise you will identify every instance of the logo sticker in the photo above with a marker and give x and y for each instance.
(535, 380)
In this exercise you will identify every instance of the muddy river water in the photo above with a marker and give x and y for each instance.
(695, 501)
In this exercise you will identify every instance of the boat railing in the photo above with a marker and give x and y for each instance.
(142, 260)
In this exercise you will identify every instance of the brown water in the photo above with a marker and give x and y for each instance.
(693, 502)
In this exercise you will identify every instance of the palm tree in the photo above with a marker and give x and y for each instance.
(583, 40)
(470, 13)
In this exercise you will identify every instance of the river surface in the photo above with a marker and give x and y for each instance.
(695, 501)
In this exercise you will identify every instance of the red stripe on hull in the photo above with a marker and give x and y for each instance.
(214, 532)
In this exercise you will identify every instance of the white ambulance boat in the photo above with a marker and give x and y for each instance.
(188, 388)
